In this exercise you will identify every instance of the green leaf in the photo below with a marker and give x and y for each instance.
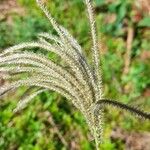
(145, 22)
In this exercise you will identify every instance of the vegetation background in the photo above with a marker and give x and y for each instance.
(50, 122)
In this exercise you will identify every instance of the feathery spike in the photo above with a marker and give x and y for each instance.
(23, 102)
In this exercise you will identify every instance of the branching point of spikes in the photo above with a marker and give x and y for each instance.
(78, 82)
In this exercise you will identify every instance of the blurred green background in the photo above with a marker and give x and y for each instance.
(50, 122)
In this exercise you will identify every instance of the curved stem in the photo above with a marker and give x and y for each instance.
(122, 106)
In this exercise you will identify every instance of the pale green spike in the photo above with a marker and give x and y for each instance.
(51, 37)
(23, 102)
